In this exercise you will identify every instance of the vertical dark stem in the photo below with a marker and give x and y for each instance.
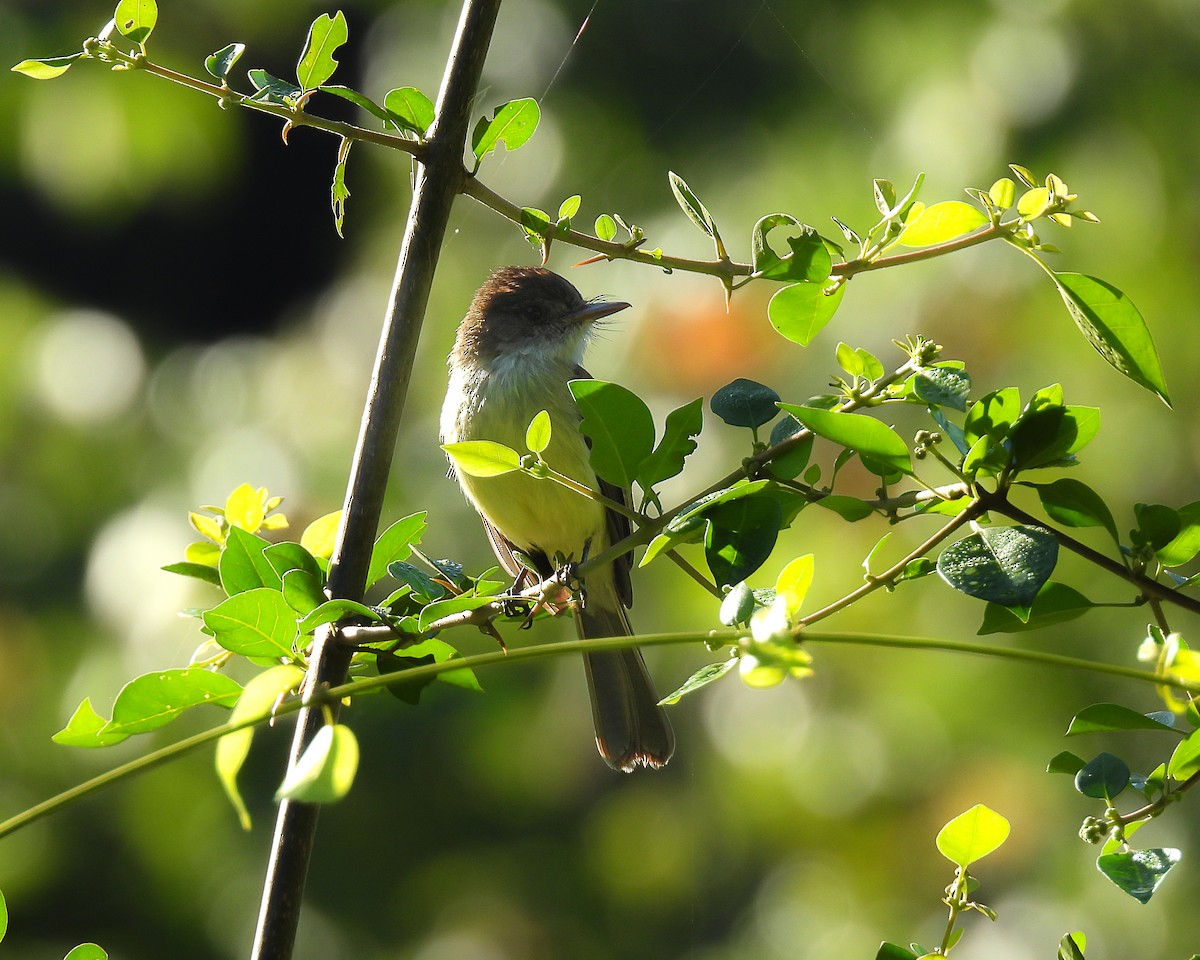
(439, 181)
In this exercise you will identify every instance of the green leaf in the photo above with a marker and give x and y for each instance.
(808, 258)
(422, 585)
(155, 699)
(395, 543)
(1139, 872)
(1002, 193)
(243, 565)
(738, 604)
(1104, 717)
(333, 610)
(537, 435)
(201, 571)
(1184, 546)
(3, 916)
(676, 445)
(606, 227)
(857, 432)
(619, 425)
(270, 89)
(943, 387)
(745, 403)
(536, 224)
(87, 951)
(136, 18)
(1004, 565)
(1185, 760)
(220, 63)
(411, 107)
(1055, 603)
(256, 623)
(339, 193)
(317, 63)
(1103, 777)
(1075, 504)
(302, 591)
(1158, 525)
(325, 771)
(740, 537)
(942, 222)
(848, 508)
(513, 123)
(701, 678)
(258, 696)
(482, 458)
(47, 68)
(85, 729)
(287, 555)
(992, 416)
(802, 310)
(419, 654)
(569, 207)
(691, 205)
(1065, 762)
(893, 951)
(320, 536)
(1111, 323)
(443, 608)
(971, 836)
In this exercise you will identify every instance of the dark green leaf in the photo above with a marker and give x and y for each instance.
(848, 508)
(1004, 565)
(155, 699)
(201, 571)
(790, 464)
(691, 517)
(1111, 323)
(317, 63)
(1075, 504)
(856, 432)
(1104, 717)
(1139, 872)
(243, 565)
(745, 403)
(1158, 525)
(701, 678)
(512, 123)
(1055, 603)
(943, 387)
(136, 19)
(619, 425)
(1065, 762)
(893, 951)
(740, 537)
(220, 63)
(1103, 777)
(423, 586)
(395, 543)
(675, 447)
(802, 310)
(270, 89)
(255, 623)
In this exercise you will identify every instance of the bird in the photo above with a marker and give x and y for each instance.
(522, 340)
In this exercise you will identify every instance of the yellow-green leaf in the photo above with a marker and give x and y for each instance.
(942, 222)
(972, 835)
(482, 458)
(320, 536)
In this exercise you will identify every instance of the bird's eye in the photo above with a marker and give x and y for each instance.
(534, 310)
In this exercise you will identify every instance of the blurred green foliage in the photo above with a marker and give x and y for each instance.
(179, 316)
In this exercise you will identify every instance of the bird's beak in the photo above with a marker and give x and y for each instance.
(591, 312)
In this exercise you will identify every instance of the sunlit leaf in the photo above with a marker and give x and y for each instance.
(972, 835)
(412, 107)
(256, 623)
(325, 770)
(155, 699)
(395, 543)
(86, 729)
(856, 431)
(942, 222)
(136, 19)
(1105, 717)
(513, 123)
(317, 63)
(802, 310)
(676, 445)
(46, 68)
(482, 458)
(620, 426)
(220, 63)
(701, 678)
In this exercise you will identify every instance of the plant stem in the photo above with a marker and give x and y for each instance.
(437, 184)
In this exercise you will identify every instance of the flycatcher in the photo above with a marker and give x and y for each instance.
(521, 341)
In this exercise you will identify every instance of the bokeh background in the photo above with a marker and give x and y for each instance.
(177, 316)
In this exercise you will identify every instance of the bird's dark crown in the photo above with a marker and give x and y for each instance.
(517, 304)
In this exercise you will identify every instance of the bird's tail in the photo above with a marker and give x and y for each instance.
(631, 728)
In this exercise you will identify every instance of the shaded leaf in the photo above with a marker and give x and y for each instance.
(1005, 565)
(676, 445)
(701, 678)
(740, 537)
(220, 63)
(745, 403)
(1103, 777)
(619, 425)
(1104, 717)
(1075, 504)
(1055, 603)
(1139, 872)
